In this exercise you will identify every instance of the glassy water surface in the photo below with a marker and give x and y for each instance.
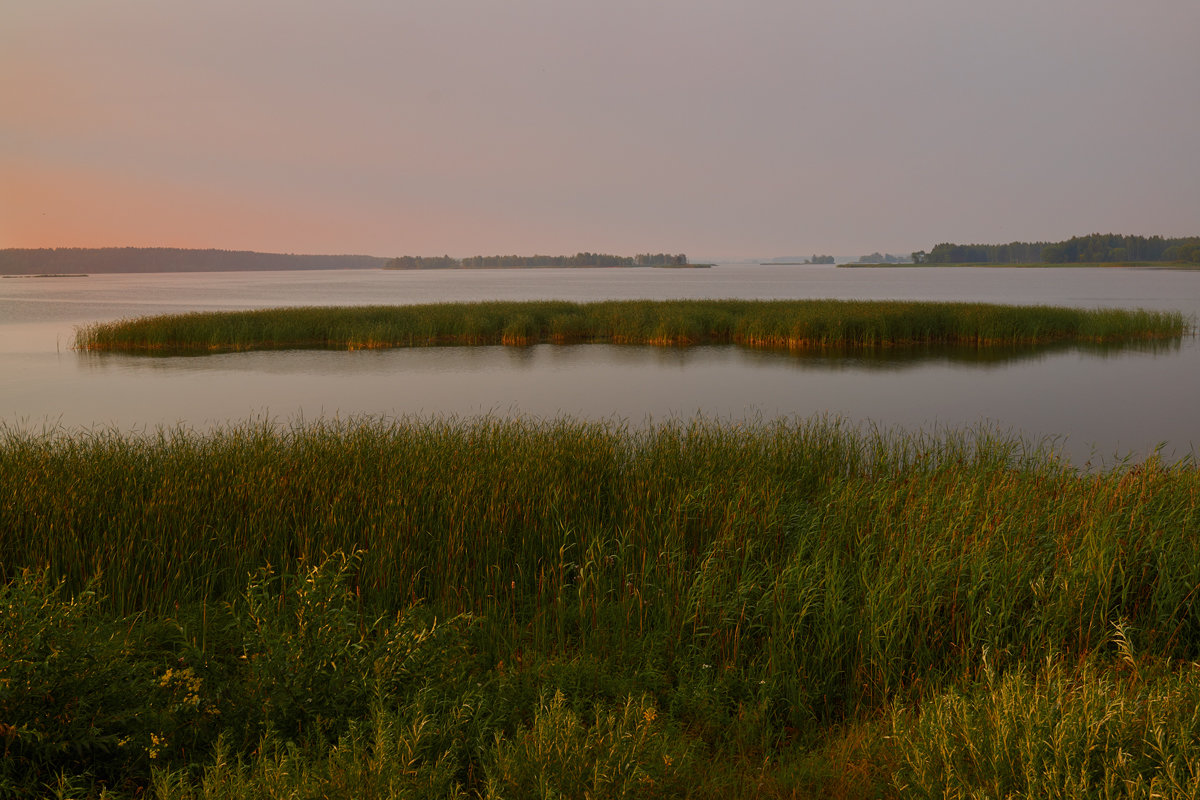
(1096, 403)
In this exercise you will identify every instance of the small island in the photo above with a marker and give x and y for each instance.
(539, 261)
(776, 324)
(795, 261)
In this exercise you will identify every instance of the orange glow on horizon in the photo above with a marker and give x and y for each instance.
(47, 207)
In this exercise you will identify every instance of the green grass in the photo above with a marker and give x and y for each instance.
(508, 607)
(789, 324)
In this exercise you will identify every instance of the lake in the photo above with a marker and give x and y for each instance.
(1096, 404)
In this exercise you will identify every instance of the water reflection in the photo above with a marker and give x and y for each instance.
(339, 361)
(897, 358)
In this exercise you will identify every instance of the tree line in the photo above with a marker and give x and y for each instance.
(882, 258)
(1094, 248)
(577, 260)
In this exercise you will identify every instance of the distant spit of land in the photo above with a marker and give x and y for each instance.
(540, 261)
(75, 260)
(49, 275)
(1174, 265)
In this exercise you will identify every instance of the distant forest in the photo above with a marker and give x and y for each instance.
(881, 258)
(1096, 248)
(16, 261)
(577, 260)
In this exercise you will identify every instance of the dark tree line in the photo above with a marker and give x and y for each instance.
(577, 260)
(20, 261)
(422, 262)
(882, 258)
(1012, 253)
(1095, 248)
(1114, 247)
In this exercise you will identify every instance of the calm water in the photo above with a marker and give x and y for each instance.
(1097, 404)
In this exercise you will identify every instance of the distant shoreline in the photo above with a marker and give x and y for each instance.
(104, 260)
(540, 261)
(1033, 265)
(549, 266)
(82, 261)
(49, 275)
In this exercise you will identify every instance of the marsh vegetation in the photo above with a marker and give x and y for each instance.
(504, 608)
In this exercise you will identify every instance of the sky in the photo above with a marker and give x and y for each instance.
(731, 129)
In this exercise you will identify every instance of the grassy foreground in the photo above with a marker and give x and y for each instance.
(786, 324)
(533, 609)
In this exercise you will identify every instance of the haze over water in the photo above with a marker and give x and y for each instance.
(1097, 403)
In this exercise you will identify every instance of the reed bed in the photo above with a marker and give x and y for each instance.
(785, 546)
(783, 324)
(756, 585)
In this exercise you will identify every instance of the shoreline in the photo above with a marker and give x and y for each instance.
(1036, 265)
(49, 275)
(549, 266)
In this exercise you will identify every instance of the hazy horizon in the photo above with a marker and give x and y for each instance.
(724, 131)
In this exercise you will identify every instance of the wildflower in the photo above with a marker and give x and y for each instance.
(156, 744)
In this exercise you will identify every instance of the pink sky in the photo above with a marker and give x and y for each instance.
(720, 129)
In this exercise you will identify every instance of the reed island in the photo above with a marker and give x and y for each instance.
(779, 324)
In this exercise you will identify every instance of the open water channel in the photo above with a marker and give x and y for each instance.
(1094, 405)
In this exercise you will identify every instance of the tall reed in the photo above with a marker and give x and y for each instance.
(1058, 731)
